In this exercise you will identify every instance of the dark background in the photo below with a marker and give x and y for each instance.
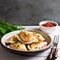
(29, 12)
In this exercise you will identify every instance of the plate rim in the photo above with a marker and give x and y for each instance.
(24, 51)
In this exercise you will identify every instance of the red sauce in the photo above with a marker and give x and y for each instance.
(49, 24)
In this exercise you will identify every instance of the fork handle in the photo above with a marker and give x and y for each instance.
(53, 54)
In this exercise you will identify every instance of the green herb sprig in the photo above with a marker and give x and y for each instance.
(6, 27)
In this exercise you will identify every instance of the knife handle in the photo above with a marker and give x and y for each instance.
(53, 54)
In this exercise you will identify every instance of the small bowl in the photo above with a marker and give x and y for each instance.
(48, 29)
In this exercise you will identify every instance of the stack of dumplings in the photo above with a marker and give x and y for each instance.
(26, 41)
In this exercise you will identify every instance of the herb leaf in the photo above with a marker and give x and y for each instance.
(6, 27)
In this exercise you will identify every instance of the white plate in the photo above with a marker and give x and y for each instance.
(6, 36)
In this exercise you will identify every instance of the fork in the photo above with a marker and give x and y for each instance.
(53, 53)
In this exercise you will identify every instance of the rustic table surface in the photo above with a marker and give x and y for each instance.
(6, 55)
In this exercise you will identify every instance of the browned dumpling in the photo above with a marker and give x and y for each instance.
(18, 46)
(27, 37)
(26, 40)
(14, 43)
(37, 46)
(12, 39)
(39, 37)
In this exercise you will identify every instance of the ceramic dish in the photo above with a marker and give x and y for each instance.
(48, 26)
(8, 35)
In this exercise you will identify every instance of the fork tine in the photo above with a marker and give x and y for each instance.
(56, 40)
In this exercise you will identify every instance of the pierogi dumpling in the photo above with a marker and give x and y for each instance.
(26, 41)
(37, 46)
(39, 36)
(18, 46)
(27, 37)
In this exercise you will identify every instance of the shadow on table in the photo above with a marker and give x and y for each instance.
(6, 55)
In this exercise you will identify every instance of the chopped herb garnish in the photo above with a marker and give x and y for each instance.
(18, 46)
(37, 47)
(34, 32)
(26, 34)
(38, 36)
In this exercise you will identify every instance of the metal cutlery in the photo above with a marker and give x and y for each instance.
(53, 53)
